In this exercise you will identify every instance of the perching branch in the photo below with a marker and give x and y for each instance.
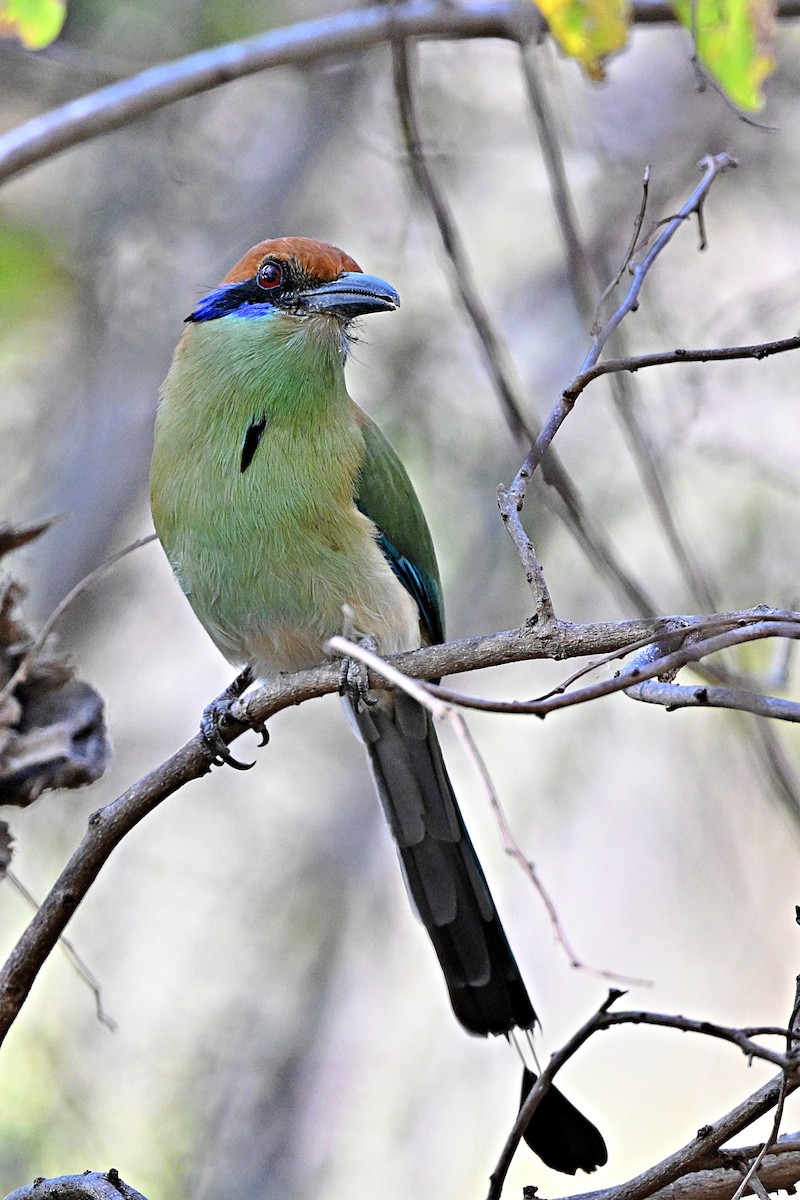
(91, 1185)
(726, 631)
(110, 825)
(561, 640)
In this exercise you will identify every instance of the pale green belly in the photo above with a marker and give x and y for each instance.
(272, 601)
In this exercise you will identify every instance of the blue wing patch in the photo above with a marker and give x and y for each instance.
(421, 588)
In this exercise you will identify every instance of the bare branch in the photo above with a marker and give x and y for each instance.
(80, 967)
(513, 849)
(638, 362)
(495, 353)
(698, 1151)
(533, 1099)
(735, 630)
(120, 103)
(583, 277)
(673, 696)
(91, 1185)
(778, 1171)
(786, 1061)
(568, 506)
(713, 165)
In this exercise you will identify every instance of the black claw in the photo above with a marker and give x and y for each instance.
(263, 733)
(218, 752)
(218, 714)
(236, 763)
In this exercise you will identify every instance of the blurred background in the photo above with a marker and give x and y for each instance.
(283, 1028)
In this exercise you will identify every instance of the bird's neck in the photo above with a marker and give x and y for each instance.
(258, 406)
(284, 369)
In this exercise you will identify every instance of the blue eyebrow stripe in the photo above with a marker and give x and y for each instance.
(244, 299)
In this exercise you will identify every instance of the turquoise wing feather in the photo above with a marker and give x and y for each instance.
(385, 494)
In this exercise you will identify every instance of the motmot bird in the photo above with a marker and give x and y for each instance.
(287, 517)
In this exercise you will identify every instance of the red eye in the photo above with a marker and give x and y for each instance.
(269, 276)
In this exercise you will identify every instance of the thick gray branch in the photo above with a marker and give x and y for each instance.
(92, 1185)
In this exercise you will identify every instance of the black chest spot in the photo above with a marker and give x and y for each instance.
(253, 435)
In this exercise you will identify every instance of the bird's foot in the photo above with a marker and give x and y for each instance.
(217, 716)
(354, 677)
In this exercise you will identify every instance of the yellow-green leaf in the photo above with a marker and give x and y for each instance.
(733, 42)
(587, 30)
(36, 23)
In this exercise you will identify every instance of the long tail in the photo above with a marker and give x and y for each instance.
(448, 888)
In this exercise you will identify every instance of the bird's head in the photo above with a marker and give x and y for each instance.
(298, 277)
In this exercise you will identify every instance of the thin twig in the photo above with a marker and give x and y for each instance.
(512, 499)
(495, 354)
(567, 504)
(534, 1097)
(787, 1062)
(30, 655)
(713, 166)
(513, 849)
(88, 977)
(628, 258)
(496, 357)
(639, 362)
(583, 278)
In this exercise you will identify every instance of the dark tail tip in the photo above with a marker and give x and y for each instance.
(563, 1137)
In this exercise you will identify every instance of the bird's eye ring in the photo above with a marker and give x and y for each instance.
(269, 275)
